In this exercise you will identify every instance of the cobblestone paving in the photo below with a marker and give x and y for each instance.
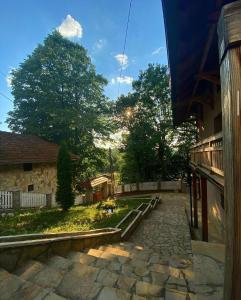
(156, 264)
(166, 230)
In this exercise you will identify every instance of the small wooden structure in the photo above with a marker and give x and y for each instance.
(204, 49)
(98, 188)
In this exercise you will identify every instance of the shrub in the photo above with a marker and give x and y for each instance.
(64, 194)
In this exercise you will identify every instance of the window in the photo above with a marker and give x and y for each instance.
(30, 188)
(27, 167)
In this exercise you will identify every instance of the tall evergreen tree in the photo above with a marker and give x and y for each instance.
(64, 193)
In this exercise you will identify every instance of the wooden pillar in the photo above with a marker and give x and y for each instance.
(199, 188)
(229, 33)
(204, 209)
(194, 193)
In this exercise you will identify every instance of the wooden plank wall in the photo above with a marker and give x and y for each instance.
(229, 30)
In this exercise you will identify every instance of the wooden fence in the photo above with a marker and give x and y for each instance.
(149, 186)
(18, 200)
(31, 200)
(6, 200)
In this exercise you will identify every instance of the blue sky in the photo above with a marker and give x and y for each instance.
(99, 25)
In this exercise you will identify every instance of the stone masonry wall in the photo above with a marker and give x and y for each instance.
(42, 176)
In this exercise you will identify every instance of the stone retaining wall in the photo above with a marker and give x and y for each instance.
(14, 251)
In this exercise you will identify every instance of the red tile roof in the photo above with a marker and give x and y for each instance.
(18, 148)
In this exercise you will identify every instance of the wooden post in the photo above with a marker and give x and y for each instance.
(48, 200)
(229, 32)
(194, 193)
(204, 209)
(16, 200)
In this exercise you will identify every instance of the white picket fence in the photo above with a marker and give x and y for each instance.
(149, 186)
(6, 200)
(79, 199)
(31, 200)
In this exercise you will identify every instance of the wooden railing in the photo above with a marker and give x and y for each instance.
(208, 154)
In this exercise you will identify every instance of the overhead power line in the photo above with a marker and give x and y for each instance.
(6, 97)
(124, 46)
(3, 74)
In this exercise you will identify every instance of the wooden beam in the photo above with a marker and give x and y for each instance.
(195, 204)
(209, 77)
(204, 209)
(229, 32)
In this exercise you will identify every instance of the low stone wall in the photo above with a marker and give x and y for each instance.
(132, 226)
(141, 212)
(15, 250)
(149, 187)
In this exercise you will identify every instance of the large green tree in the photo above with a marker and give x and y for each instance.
(59, 96)
(152, 145)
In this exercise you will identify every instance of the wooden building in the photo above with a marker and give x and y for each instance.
(204, 50)
(98, 188)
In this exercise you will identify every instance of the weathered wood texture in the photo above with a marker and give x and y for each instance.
(229, 30)
(209, 154)
(204, 209)
(195, 205)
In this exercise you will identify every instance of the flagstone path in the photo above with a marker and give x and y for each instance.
(156, 263)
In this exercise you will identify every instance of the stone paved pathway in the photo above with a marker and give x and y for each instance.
(166, 230)
(156, 264)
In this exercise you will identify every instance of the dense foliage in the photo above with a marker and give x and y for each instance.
(153, 148)
(59, 96)
(64, 193)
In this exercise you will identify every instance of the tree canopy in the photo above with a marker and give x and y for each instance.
(59, 96)
(152, 146)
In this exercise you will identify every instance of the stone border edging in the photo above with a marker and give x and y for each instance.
(152, 204)
(132, 226)
(14, 254)
(15, 250)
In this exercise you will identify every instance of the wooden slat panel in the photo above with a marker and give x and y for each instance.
(230, 57)
(208, 154)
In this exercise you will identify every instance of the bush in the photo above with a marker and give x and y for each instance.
(64, 194)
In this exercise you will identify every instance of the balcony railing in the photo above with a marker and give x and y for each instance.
(209, 154)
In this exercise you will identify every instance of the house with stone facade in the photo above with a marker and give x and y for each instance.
(27, 163)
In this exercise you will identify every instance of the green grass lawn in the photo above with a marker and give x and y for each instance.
(77, 218)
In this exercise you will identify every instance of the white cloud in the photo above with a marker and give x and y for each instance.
(122, 59)
(124, 79)
(158, 50)
(70, 27)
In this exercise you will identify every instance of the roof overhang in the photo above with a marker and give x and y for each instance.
(191, 33)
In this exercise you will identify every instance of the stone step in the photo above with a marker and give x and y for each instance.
(152, 261)
(72, 278)
(29, 269)
(15, 288)
(108, 293)
(174, 294)
(129, 246)
(40, 274)
(121, 277)
(113, 253)
(133, 267)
